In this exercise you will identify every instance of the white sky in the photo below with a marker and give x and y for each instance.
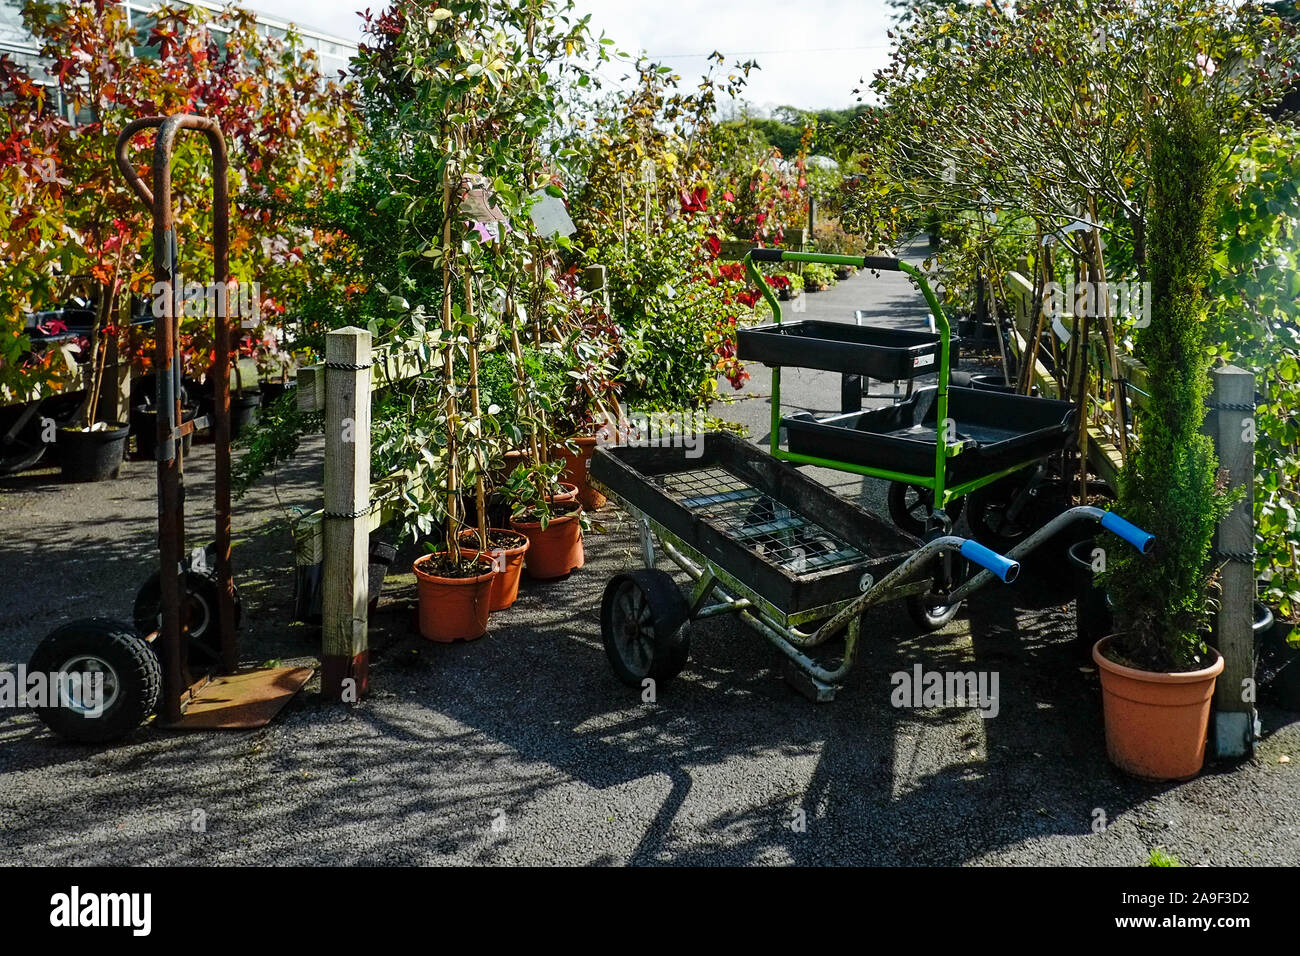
(812, 52)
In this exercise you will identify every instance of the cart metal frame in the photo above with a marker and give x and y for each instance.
(936, 482)
(715, 590)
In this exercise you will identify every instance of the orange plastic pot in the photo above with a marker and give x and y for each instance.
(577, 468)
(454, 609)
(555, 551)
(509, 563)
(1155, 722)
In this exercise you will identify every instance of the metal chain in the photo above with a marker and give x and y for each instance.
(350, 514)
(349, 367)
(1242, 557)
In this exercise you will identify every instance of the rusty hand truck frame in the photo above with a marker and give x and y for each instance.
(142, 662)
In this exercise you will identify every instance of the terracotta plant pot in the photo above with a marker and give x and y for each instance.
(577, 468)
(509, 565)
(555, 551)
(1155, 722)
(454, 609)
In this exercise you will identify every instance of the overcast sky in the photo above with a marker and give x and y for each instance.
(812, 52)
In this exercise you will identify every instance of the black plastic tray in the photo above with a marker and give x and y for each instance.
(747, 512)
(999, 431)
(885, 354)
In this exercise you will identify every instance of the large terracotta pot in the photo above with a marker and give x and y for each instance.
(1155, 722)
(509, 565)
(577, 468)
(454, 609)
(555, 551)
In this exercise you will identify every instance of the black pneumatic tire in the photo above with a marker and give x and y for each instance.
(930, 618)
(204, 639)
(642, 623)
(124, 657)
(910, 506)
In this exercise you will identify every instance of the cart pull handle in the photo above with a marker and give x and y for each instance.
(1005, 568)
(1130, 532)
(879, 263)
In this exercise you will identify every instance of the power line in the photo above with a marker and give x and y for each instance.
(824, 49)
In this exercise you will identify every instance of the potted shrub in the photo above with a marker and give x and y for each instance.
(1157, 672)
(817, 277)
(552, 525)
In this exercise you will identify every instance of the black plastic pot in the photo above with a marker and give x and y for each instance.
(243, 410)
(996, 382)
(307, 583)
(1277, 665)
(144, 427)
(1093, 618)
(382, 556)
(92, 455)
(273, 391)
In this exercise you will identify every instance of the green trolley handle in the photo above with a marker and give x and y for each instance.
(942, 450)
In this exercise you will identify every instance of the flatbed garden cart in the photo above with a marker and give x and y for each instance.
(795, 561)
(940, 445)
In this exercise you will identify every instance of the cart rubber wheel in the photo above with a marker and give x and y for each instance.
(642, 622)
(987, 515)
(929, 618)
(132, 680)
(204, 637)
(910, 507)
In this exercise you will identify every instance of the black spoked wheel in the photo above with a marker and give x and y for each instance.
(910, 507)
(104, 680)
(1004, 513)
(642, 622)
(204, 637)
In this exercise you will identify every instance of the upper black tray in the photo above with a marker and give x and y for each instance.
(885, 354)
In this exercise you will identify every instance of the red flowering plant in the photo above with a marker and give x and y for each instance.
(286, 130)
(652, 209)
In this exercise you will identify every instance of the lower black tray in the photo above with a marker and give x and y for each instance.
(885, 354)
(999, 431)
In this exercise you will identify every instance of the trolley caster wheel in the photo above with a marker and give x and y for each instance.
(910, 507)
(929, 617)
(106, 650)
(642, 624)
(204, 637)
(989, 522)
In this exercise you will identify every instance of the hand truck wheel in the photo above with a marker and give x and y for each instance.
(910, 507)
(203, 636)
(1005, 512)
(642, 623)
(107, 651)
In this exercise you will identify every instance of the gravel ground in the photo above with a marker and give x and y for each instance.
(523, 748)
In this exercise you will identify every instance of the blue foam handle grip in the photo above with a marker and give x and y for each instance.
(1128, 531)
(1002, 566)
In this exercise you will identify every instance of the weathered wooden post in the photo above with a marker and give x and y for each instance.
(1232, 425)
(345, 651)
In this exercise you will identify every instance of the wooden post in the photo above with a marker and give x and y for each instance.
(1233, 429)
(345, 652)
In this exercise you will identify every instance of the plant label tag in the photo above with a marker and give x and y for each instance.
(550, 217)
(921, 360)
